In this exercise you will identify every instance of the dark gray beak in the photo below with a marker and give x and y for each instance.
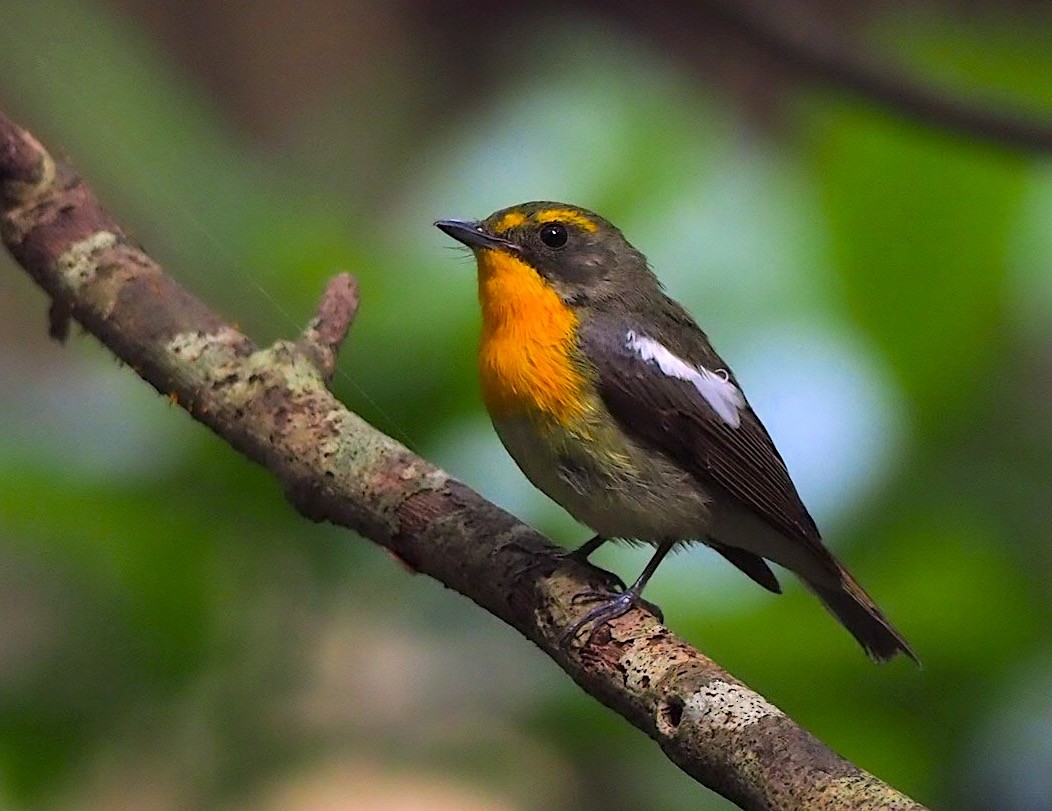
(472, 235)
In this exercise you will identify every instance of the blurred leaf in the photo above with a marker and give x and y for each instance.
(919, 225)
(999, 60)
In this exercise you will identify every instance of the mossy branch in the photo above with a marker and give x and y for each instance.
(272, 405)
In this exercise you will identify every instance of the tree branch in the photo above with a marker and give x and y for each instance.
(803, 47)
(273, 406)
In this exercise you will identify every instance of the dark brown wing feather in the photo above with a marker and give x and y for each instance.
(753, 565)
(671, 416)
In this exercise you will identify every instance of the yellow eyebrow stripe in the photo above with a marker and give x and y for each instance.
(567, 216)
(512, 219)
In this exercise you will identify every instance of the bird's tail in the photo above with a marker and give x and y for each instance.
(857, 612)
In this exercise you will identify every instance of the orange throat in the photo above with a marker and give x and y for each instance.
(526, 360)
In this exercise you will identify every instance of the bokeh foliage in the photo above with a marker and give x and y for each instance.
(176, 634)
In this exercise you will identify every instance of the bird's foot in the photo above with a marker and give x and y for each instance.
(550, 561)
(611, 609)
(553, 560)
(613, 578)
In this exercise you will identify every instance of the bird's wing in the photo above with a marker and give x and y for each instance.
(677, 396)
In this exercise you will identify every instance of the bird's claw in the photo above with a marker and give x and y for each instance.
(599, 616)
(556, 559)
(613, 578)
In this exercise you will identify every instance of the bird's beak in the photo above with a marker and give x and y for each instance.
(472, 235)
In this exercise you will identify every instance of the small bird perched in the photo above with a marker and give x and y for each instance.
(612, 402)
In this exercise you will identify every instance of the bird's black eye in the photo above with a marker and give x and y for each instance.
(553, 234)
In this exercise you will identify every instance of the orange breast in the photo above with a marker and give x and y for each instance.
(526, 355)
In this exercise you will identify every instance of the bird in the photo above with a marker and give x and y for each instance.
(613, 402)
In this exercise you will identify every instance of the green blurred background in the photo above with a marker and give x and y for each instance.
(174, 636)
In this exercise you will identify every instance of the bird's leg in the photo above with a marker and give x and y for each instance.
(623, 602)
(580, 554)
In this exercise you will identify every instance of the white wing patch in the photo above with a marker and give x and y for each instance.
(722, 395)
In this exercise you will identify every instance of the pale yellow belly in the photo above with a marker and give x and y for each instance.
(619, 492)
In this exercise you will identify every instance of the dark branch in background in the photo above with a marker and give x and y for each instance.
(801, 45)
(272, 405)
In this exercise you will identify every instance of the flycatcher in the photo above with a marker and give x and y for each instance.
(612, 401)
